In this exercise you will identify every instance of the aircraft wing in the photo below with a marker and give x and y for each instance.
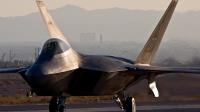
(163, 70)
(13, 70)
(150, 72)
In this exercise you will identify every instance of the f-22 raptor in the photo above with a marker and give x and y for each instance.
(61, 72)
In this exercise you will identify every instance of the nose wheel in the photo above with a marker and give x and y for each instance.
(57, 104)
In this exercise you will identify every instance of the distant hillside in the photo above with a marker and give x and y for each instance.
(124, 32)
(114, 24)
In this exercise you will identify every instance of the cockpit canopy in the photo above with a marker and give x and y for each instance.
(54, 46)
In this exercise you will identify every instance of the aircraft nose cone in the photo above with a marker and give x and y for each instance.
(38, 70)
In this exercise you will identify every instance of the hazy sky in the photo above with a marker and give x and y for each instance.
(23, 7)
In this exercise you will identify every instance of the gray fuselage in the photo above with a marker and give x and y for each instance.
(69, 73)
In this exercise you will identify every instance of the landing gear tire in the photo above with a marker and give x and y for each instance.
(61, 104)
(53, 105)
(130, 105)
(62, 109)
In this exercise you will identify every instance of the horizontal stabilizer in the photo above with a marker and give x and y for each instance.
(147, 54)
(50, 23)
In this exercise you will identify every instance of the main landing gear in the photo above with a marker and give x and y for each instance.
(57, 104)
(130, 105)
(127, 104)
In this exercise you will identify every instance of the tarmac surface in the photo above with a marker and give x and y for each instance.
(109, 107)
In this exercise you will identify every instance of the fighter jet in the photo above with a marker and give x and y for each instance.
(61, 72)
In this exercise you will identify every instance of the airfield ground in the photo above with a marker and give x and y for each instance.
(172, 87)
(110, 106)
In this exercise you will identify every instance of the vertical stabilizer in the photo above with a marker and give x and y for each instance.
(50, 23)
(148, 52)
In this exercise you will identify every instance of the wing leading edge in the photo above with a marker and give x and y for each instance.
(164, 70)
(11, 70)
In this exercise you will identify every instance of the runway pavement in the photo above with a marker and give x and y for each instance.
(109, 107)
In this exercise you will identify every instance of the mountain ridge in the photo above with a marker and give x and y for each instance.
(115, 24)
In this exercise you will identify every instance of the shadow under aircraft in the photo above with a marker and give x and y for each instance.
(61, 72)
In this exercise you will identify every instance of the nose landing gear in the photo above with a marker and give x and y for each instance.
(61, 104)
(57, 104)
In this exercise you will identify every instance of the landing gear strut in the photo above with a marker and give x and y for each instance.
(57, 104)
(53, 106)
(61, 104)
(130, 105)
(29, 93)
(119, 101)
(127, 104)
